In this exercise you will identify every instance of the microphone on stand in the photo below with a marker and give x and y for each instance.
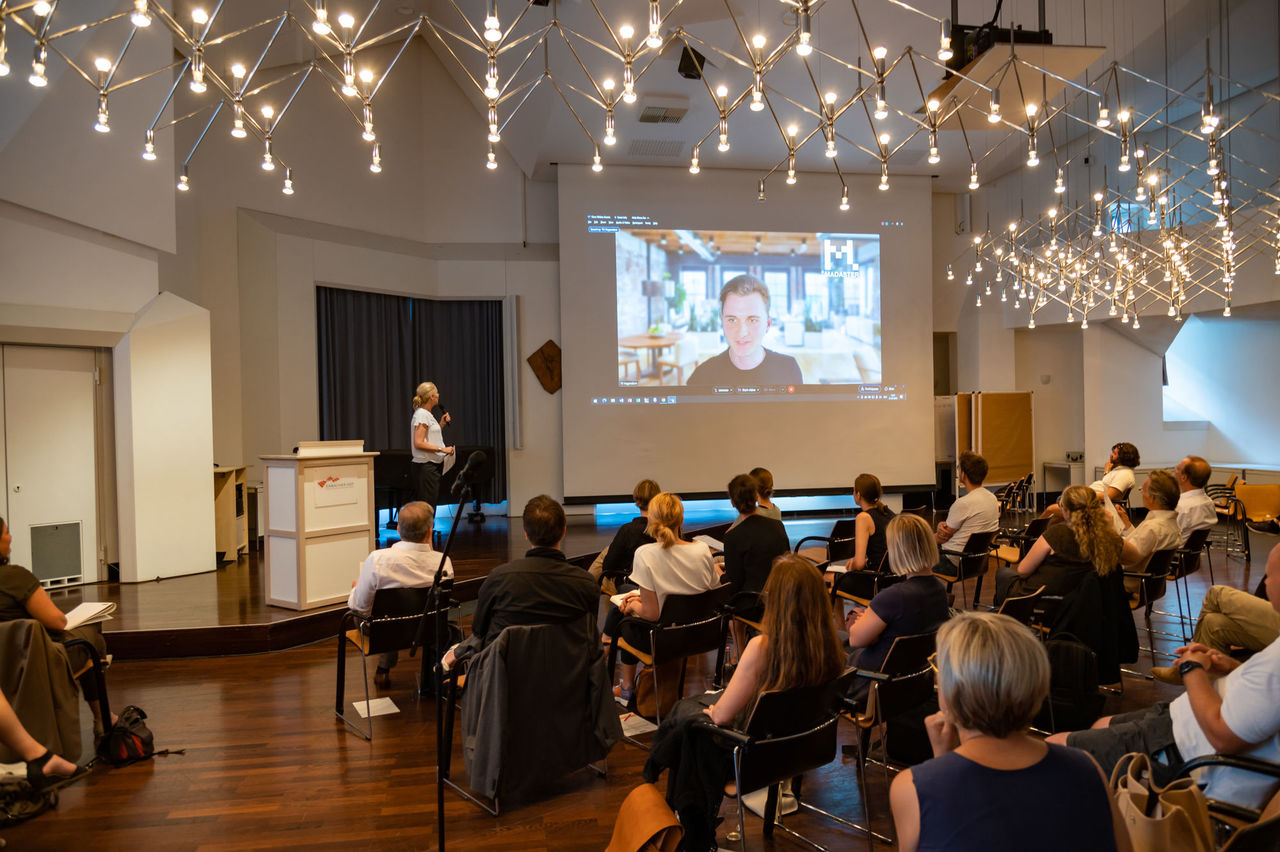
(471, 472)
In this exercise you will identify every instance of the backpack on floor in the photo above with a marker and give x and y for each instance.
(129, 740)
(19, 802)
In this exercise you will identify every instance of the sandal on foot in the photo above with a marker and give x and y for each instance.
(37, 778)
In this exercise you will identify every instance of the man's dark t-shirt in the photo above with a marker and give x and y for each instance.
(775, 369)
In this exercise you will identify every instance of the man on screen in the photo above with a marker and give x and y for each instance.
(744, 314)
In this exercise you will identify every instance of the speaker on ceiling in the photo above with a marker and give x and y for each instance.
(691, 62)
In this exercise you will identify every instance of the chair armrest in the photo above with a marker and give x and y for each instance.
(1232, 761)
(729, 735)
(870, 674)
(800, 544)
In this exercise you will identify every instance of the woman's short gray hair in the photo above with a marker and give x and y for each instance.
(993, 674)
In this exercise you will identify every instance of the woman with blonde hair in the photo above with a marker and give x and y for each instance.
(916, 604)
(1066, 553)
(668, 566)
(427, 442)
(990, 785)
(798, 648)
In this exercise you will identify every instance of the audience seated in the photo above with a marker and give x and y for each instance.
(918, 604)
(991, 786)
(410, 563)
(669, 566)
(751, 545)
(543, 587)
(1117, 478)
(1060, 558)
(978, 511)
(1196, 510)
(868, 530)
(22, 596)
(764, 494)
(1230, 619)
(798, 648)
(1228, 708)
(1158, 530)
(615, 565)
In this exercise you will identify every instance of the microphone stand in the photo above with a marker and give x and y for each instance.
(434, 601)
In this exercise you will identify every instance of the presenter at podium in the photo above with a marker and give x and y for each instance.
(429, 450)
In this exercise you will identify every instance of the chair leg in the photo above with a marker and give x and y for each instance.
(737, 781)
(342, 672)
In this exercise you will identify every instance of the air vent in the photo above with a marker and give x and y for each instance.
(656, 148)
(663, 115)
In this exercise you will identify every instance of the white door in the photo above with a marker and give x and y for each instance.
(49, 473)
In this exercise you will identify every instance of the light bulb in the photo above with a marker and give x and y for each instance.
(791, 177)
(320, 26)
(287, 189)
(237, 121)
(492, 26)
(596, 165)
(103, 124)
(491, 160)
(884, 138)
(933, 105)
(628, 84)
(884, 177)
(758, 41)
(41, 8)
(944, 43)
(491, 90)
(494, 135)
(368, 135)
(375, 164)
(879, 52)
(1212, 170)
(791, 168)
(1033, 156)
(803, 46)
(760, 197)
(346, 20)
(757, 100)
(1104, 115)
(4, 64)
(349, 76)
(1124, 115)
(184, 182)
(844, 199)
(197, 72)
(140, 17)
(951, 276)
(626, 31)
(149, 146)
(654, 39)
(366, 75)
(1124, 163)
(693, 163)
(934, 159)
(237, 71)
(37, 77)
(882, 109)
(724, 143)
(993, 107)
(103, 64)
(609, 138)
(973, 176)
(199, 16)
(268, 162)
(831, 148)
(1059, 185)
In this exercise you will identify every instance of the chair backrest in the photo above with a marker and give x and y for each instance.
(687, 349)
(1189, 554)
(910, 680)
(1260, 502)
(399, 618)
(793, 731)
(690, 624)
(1022, 607)
(843, 540)
(1036, 528)
(979, 544)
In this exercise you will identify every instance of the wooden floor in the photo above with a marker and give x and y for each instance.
(268, 766)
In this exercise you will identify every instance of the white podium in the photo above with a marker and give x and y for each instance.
(320, 522)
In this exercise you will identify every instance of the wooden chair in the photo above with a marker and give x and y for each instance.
(972, 562)
(683, 354)
(1020, 541)
(400, 620)
(688, 625)
(788, 734)
(905, 681)
(627, 358)
(838, 546)
(1259, 504)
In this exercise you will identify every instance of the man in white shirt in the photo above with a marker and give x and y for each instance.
(978, 511)
(1238, 713)
(410, 563)
(1195, 508)
(1158, 530)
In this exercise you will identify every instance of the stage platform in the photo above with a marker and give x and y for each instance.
(225, 611)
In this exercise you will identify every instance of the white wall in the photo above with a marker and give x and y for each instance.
(1048, 364)
(164, 442)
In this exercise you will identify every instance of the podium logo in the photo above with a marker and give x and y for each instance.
(332, 482)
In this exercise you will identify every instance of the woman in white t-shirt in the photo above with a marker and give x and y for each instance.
(427, 441)
(669, 566)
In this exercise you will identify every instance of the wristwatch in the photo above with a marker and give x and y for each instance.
(1189, 666)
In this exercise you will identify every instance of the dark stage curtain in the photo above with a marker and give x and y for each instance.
(458, 345)
(374, 349)
(366, 368)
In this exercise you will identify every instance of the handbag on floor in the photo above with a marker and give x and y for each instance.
(129, 739)
(1160, 819)
(645, 823)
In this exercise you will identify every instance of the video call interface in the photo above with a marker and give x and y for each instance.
(800, 312)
